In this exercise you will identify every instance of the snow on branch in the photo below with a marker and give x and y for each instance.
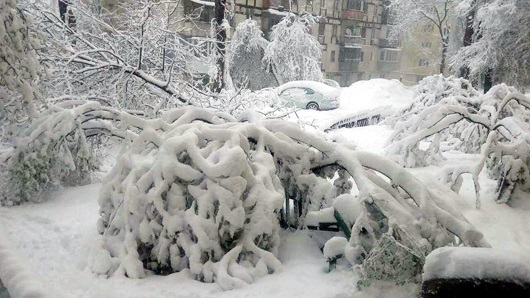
(55, 149)
(494, 125)
(210, 196)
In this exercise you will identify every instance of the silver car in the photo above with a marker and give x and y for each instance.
(309, 95)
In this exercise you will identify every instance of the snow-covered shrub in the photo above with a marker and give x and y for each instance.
(494, 124)
(199, 190)
(52, 150)
(400, 261)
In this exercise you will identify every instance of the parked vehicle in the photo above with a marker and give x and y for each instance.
(309, 95)
(331, 83)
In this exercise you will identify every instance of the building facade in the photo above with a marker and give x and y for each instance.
(354, 35)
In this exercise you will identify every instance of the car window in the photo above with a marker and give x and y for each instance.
(285, 92)
(309, 91)
(298, 91)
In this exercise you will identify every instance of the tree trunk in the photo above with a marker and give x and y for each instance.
(444, 54)
(220, 36)
(468, 37)
(488, 80)
(63, 7)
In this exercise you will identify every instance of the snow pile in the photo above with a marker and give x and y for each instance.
(201, 192)
(476, 263)
(365, 95)
(335, 247)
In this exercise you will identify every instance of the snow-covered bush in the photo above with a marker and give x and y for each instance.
(198, 190)
(53, 150)
(494, 125)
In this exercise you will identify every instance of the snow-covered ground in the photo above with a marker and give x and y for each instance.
(47, 248)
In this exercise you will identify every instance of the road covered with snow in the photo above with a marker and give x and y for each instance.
(47, 249)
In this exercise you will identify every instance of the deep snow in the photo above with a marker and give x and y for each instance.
(51, 244)
(373, 95)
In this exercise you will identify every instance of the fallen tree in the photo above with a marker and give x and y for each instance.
(494, 125)
(208, 193)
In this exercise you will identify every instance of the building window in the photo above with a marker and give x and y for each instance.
(322, 3)
(357, 5)
(426, 45)
(423, 62)
(321, 29)
(332, 58)
(336, 5)
(388, 56)
(362, 56)
(428, 28)
(386, 12)
(353, 31)
(334, 30)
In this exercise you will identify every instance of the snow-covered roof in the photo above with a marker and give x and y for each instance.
(472, 262)
(317, 86)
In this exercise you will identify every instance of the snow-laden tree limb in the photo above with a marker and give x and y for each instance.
(494, 125)
(500, 42)
(293, 53)
(210, 195)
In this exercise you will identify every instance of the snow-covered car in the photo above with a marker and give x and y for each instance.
(331, 83)
(309, 95)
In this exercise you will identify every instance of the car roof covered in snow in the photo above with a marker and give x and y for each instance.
(472, 262)
(317, 86)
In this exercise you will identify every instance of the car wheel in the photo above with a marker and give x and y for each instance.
(312, 106)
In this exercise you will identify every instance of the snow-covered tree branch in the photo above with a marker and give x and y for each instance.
(208, 194)
(293, 53)
(138, 58)
(20, 70)
(494, 125)
(500, 42)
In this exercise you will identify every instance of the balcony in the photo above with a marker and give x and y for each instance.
(385, 43)
(387, 66)
(349, 41)
(349, 65)
(351, 14)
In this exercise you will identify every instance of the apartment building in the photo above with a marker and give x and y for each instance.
(354, 35)
(421, 57)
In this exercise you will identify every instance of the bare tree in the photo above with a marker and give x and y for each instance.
(407, 14)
